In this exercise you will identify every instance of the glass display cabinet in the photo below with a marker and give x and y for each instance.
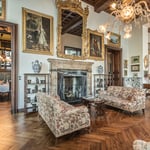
(34, 83)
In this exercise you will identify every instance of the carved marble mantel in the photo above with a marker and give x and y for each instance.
(56, 65)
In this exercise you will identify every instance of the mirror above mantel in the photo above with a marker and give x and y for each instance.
(72, 20)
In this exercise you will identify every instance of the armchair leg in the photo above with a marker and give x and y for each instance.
(56, 141)
(143, 110)
(89, 129)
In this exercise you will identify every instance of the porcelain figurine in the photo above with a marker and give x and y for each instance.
(36, 66)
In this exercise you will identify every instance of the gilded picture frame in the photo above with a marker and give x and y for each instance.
(2, 9)
(114, 40)
(95, 45)
(37, 32)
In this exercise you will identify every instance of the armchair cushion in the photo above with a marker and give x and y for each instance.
(141, 145)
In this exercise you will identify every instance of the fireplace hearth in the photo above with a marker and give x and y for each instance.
(72, 85)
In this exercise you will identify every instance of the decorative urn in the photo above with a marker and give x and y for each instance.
(36, 66)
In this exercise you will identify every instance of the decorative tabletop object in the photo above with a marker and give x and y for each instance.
(36, 66)
(100, 69)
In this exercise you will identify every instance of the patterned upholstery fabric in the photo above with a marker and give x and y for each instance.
(62, 118)
(141, 145)
(125, 98)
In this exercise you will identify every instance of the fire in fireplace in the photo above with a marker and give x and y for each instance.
(72, 85)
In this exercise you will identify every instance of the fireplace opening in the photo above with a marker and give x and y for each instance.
(72, 85)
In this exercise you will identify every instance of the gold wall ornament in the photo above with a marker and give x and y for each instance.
(114, 39)
(146, 60)
(75, 7)
(2, 9)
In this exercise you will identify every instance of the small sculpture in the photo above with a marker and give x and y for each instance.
(37, 80)
(36, 66)
(100, 69)
(36, 88)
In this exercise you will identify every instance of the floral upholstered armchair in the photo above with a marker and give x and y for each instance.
(61, 117)
(141, 145)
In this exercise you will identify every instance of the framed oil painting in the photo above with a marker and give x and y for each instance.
(2, 9)
(125, 64)
(95, 45)
(114, 40)
(125, 72)
(135, 59)
(135, 68)
(37, 32)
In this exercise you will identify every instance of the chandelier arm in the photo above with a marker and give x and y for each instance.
(128, 12)
(143, 2)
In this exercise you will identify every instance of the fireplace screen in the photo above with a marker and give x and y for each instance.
(72, 85)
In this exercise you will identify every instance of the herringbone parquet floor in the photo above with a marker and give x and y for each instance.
(115, 130)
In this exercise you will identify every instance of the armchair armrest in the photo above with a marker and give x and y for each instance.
(79, 109)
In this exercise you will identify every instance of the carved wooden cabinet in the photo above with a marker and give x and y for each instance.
(34, 83)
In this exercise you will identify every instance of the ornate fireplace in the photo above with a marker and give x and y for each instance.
(72, 85)
(70, 79)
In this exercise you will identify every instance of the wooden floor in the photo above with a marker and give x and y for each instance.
(116, 130)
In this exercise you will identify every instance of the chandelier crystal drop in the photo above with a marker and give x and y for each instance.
(127, 28)
(127, 13)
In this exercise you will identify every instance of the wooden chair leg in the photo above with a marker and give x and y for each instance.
(89, 129)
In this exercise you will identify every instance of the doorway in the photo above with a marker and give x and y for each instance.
(113, 63)
(9, 47)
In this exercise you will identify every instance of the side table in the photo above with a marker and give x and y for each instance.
(96, 102)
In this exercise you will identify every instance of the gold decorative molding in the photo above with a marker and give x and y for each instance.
(74, 6)
(3, 10)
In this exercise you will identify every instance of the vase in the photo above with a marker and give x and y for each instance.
(36, 66)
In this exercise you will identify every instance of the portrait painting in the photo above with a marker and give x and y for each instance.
(37, 32)
(114, 40)
(2, 9)
(95, 45)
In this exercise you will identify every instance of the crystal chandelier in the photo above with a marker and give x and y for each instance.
(126, 13)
